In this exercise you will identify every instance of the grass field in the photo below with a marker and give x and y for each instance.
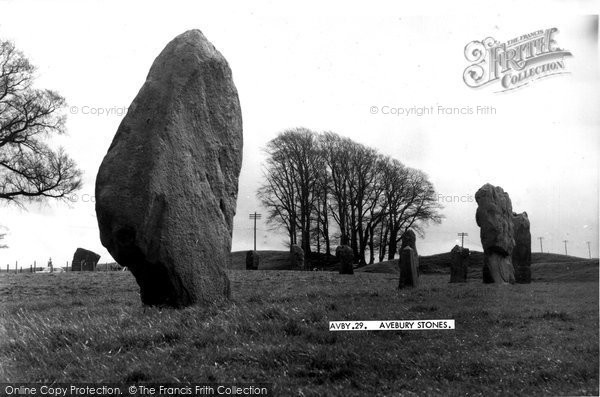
(537, 339)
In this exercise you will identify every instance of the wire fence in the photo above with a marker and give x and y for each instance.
(51, 268)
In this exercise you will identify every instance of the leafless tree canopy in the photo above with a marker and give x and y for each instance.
(312, 179)
(29, 167)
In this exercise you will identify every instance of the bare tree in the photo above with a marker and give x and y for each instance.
(2, 236)
(29, 168)
(291, 186)
(412, 203)
(278, 195)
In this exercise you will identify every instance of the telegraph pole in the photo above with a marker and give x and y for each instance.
(541, 246)
(565, 241)
(255, 216)
(462, 239)
(589, 250)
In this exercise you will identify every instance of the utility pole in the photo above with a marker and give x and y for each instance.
(255, 216)
(541, 246)
(589, 250)
(566, 241)
(462, 239)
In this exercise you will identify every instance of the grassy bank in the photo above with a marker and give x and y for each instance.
(511, 340)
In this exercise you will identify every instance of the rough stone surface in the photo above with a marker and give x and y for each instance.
(166, 190)
(346, 257)
(84, 260)
(252, 260)
(494, 217)
(296, 257)
(460, 264)
(409, 268)
(521, 255)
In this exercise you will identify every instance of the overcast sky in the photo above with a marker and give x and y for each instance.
(326, 68)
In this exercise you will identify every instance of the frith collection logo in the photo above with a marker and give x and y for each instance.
(516, 62)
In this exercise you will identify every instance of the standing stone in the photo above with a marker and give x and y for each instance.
(409, 260)
(345, 256)
(166, 190)
(84, 260)
(460, 264)
(252, 260)
(296, 257)
(521, 255)
(494, 217)
(409, 268)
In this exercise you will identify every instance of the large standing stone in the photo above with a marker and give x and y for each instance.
(494, 217)
(252, 260)
(84, 260)
(521, 255)
(166, 190)
(409, 268)
(460, 264)
(296, 256)
(345, 256)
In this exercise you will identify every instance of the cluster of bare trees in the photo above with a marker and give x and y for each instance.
(324, 187)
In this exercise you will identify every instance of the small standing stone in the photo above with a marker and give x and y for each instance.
(409, 261)
(459, 266)
(409, 268)
(346, 257)
(296, 257)
(252, 260)
(83, 260)
(521, 255)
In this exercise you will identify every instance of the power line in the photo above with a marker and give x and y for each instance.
(462, 239)
(255, 216)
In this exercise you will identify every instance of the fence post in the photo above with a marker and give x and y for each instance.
(16, 270)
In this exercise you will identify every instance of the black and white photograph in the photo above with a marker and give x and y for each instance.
(259, 198)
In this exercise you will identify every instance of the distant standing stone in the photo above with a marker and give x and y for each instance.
(521, 255)
(494, 217)
(460, 264)
(252, 260)
(346, 258)
(409, 268)
(166, 190)
(296, 257)
(84, 260)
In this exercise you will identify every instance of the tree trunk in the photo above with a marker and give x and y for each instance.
(392, 244)
(371, 246)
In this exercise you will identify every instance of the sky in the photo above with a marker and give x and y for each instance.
(336, 67)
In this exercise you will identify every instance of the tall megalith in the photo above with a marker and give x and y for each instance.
(494, 217)
(166, 190)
